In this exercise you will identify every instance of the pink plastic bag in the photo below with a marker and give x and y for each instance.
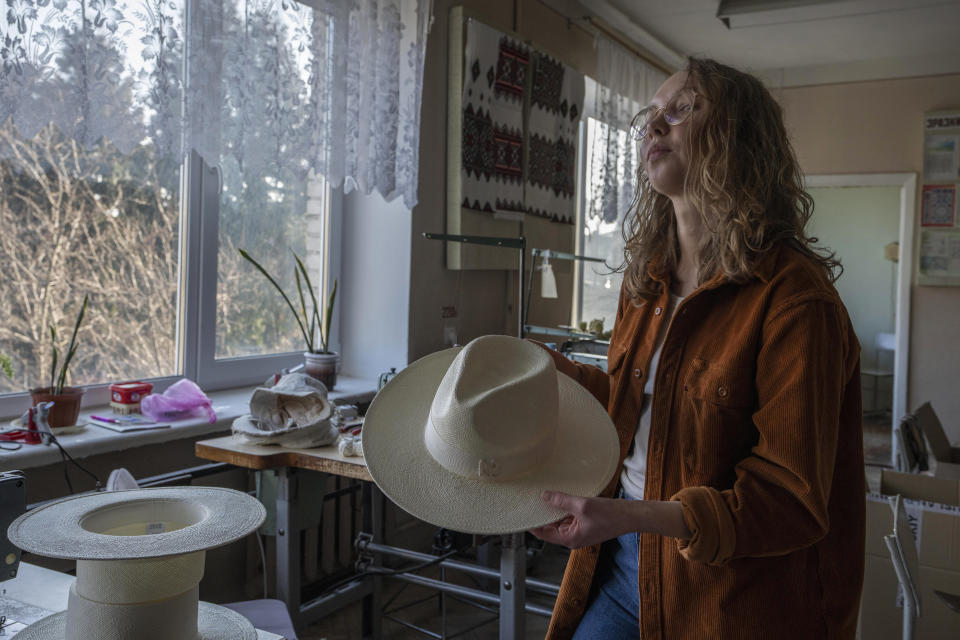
(183, 399)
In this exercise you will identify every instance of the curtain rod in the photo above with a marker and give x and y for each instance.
(610, 34)
(600, 27)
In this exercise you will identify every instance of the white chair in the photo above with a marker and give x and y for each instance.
(906, 563)
(883, 343)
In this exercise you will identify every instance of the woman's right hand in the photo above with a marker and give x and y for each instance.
(594, 520)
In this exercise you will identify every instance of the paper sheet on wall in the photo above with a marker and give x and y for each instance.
(941, 158)
(940, 252)
(937, 207)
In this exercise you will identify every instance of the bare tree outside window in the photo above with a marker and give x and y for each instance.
(81, 217)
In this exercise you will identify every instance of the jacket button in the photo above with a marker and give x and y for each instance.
(722, 391)
(637, 373)
(658, 311)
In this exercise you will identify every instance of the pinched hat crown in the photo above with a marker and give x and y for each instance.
(494, 415)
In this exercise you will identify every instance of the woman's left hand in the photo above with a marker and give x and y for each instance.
(591, 520)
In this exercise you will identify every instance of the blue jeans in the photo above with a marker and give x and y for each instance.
(614, 607)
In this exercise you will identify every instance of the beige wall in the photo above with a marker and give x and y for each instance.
(485, 300)
(876, 127)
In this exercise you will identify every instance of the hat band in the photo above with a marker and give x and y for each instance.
(139, 580)
(145, 598)
(174, 617)
(488, 468)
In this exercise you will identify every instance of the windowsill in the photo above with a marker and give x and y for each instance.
(228, 404)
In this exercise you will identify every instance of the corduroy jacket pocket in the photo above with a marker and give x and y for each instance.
(719, 384)
(718, 402)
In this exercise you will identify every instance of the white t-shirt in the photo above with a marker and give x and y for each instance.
(635, 465)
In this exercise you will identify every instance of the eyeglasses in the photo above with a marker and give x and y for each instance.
(676, 111)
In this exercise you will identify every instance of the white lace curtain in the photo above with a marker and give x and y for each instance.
(332, 86)
(623, 85)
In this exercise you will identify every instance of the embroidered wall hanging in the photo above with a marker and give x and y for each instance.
(556, 101)
(512, 133)
(492, 136)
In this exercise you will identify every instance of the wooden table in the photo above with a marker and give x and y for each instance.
(255, 456)
(285, 462)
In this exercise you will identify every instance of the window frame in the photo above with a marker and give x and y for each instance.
(195, 331)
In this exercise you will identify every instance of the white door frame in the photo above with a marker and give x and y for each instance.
(908, 191)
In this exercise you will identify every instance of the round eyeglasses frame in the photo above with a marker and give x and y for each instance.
(673, 116)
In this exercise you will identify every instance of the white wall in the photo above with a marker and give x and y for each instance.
(374, 285)
(857, 222)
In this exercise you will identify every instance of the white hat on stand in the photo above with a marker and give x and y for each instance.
(468, 438)
(140, 558)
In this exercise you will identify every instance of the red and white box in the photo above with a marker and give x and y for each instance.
(125, 397)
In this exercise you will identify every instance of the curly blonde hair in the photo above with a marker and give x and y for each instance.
(743, 178)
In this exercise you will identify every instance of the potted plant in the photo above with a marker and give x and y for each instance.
(319, 361)
(66, 400)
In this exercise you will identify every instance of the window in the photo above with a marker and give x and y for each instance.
(610, 164)
(152, 238)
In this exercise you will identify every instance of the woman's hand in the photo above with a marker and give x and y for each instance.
(591, 520)
(594, 520)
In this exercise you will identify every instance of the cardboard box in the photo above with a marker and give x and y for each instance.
(946, 457)
(933, 506)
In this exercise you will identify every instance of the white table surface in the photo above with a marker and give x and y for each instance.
(93, 439)
(37, 592)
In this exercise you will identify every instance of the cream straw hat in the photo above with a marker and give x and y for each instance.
(140, 557)
(468, 438)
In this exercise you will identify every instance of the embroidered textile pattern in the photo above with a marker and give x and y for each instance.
(512, 65)
(556, 101)
(509, 153)
(547, 84)
(518, 149)
(491, 173)
(552, 165)
(478, 143)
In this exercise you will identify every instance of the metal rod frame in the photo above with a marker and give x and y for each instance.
(539, 586)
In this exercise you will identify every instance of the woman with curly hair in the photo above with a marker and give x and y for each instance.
(733, 381)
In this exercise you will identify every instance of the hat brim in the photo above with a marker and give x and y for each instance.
(213, 623)
(583, 460)
(56, 530)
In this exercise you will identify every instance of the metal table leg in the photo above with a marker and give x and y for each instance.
(288, 541)
(373, 523)
(513, 577)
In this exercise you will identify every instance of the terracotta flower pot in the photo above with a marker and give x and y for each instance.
(66, 406)
(323, 367)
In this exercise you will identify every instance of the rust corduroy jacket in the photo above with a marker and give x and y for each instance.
(756, 430)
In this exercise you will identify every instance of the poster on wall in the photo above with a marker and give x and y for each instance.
(938, 205)
(940, 158)
(939, 251)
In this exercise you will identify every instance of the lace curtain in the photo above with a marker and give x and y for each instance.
(624, 84)
(332, 86)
